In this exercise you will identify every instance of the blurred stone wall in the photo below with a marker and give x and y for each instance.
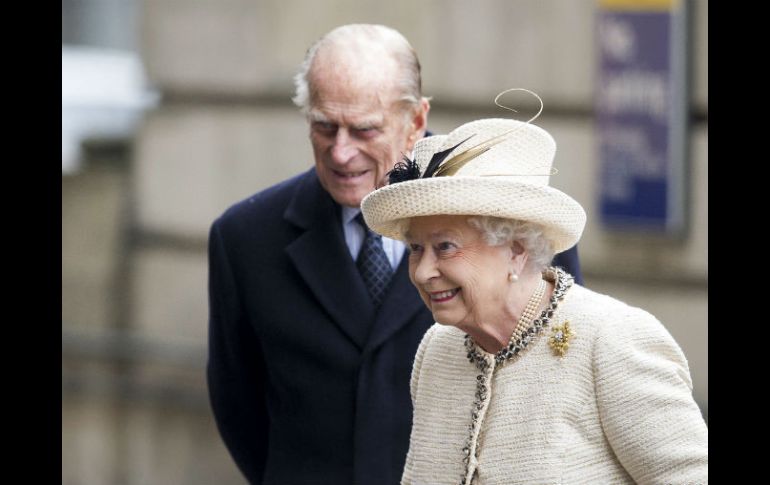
(134, 274)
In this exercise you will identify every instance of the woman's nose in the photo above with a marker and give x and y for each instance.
(425, 268)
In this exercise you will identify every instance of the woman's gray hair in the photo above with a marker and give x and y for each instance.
(407, 82)
(497, 231)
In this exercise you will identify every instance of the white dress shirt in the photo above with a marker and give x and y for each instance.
(354, 238)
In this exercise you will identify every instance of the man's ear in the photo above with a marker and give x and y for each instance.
(418, 123)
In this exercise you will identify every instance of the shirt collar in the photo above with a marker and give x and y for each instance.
(349, 213)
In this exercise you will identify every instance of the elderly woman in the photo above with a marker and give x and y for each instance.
(526, 377)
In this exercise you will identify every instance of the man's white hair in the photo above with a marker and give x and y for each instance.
(407, 81)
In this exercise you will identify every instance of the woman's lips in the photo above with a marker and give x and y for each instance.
(442, 296)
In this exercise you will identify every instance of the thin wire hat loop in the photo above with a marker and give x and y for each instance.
(453, 164)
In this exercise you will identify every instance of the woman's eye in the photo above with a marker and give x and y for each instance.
(414, 248)
(445, 246)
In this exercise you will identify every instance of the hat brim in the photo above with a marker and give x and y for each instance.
(562, 217)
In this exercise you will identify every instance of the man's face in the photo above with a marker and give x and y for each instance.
(358, 134)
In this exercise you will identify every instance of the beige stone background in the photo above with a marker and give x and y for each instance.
(135, 216)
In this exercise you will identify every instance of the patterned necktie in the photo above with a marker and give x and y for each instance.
(373, 264)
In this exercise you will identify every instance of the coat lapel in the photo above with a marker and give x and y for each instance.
(401, 303)
(321, 257)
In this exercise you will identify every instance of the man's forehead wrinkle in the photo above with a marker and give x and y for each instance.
(353, 115)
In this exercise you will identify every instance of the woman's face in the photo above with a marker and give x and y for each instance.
(461, 279)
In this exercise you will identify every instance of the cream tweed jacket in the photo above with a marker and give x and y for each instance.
(616, 408)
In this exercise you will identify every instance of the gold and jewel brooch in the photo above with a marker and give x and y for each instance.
(560, 337)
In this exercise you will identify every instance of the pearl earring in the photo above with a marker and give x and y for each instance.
(513, 277)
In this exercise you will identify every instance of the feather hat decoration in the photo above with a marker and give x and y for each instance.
(408, 169)
(489, 167)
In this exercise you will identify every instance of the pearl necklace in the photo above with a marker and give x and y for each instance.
(529, 312)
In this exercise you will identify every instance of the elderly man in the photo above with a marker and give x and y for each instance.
(313, 322)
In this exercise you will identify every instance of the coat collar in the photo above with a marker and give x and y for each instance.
(321, 257)
(398, 308)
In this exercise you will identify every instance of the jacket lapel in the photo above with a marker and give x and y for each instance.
(401, 303)
(321, 257)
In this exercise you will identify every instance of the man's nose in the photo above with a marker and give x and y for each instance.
(344, 147)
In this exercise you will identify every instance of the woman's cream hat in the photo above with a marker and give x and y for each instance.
(499, 167)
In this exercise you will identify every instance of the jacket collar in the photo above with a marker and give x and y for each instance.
(321, 257)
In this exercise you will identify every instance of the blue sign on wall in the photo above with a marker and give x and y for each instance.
(641, 105)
